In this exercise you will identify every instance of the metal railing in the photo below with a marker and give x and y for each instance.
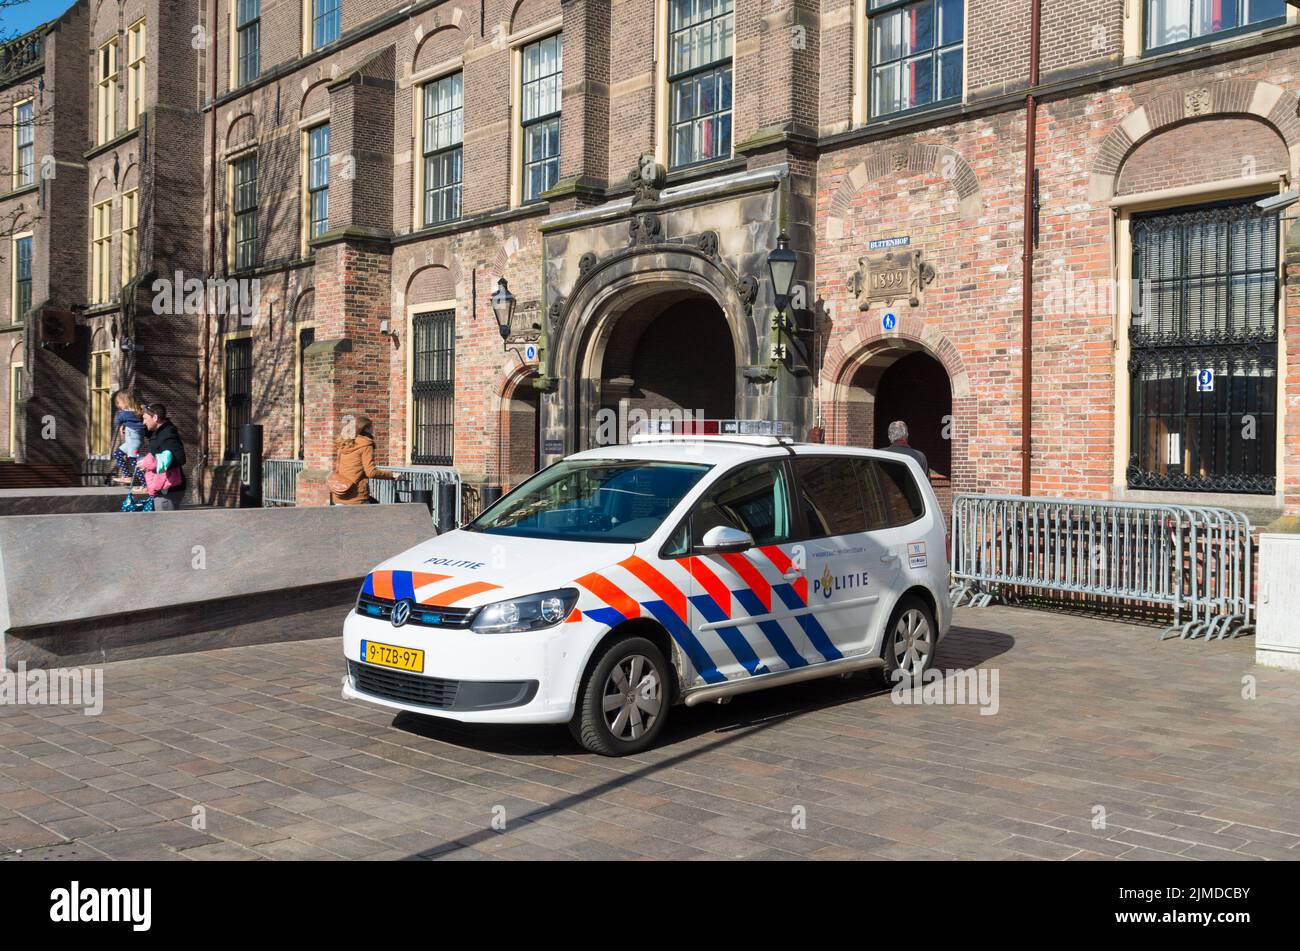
(280, 481)
(416, 478)
(1192, 563)
(280, 485)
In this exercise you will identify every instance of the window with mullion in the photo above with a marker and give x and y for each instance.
(25, 152)
(245, 211)
(1203, 350)
(22, 276)
(326, 22)
(543, 66)
(442, 137)
(318, 180)
(248, 26)
(433, 381)
(1173, 23)
(700, 41)
(914, 54)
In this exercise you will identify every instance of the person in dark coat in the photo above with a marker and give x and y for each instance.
(898, 443)
(167, 449)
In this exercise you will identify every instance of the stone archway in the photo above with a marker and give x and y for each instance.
(641, 285)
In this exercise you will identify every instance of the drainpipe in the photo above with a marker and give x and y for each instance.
(204, 394)
(1027, 270)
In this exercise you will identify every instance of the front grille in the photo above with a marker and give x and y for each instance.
(422, 615)
(403, 687)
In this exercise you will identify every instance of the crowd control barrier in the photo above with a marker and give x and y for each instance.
(1191, 563)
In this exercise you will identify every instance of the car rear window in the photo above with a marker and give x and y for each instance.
(891, 494)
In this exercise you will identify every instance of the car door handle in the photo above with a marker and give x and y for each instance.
(792, 574)
(889, 556)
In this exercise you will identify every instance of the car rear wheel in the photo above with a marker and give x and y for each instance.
(910, 640)
(623, 702)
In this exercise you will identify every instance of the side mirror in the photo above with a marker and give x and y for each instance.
(723, 539)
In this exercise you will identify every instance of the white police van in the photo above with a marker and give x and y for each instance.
(680, 568)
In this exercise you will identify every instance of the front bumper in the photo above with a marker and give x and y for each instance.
(530, 677)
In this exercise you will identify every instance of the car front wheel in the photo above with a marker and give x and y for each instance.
(623, 701)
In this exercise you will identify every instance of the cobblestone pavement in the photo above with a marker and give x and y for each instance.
(1092, 715)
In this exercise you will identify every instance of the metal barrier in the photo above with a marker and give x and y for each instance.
(415, 478)
(1193, 562)
(280, 485)
(280, 481)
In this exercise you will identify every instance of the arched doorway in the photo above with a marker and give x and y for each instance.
(915, 389)
(670, 353)
(520, 409)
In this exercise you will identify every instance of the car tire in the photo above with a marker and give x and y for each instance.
(624, 698)
(909, 642)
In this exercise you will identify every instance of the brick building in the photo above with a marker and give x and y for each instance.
(105, 177)
(377, 168)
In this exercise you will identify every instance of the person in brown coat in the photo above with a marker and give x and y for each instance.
(355, 461)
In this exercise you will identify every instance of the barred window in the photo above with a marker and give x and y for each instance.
(700, 41)
(915, 54)
(244, 173)
(443, 134)
(543, 63)
(433, 381)
(318, 180)
(1174, 23)
(238, 391)
(1203, 350)
(24, 144)
(248, 26)
(326, 22)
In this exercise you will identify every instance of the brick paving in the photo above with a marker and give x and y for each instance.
(1092, 715)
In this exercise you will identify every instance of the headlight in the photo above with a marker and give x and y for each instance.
(529, 613)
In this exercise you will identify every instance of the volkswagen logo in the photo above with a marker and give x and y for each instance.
(401, 613)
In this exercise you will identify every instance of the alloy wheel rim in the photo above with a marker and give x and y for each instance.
(632, 698)
(912, 642)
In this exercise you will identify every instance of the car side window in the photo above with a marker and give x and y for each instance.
(830, 495)
(754, 499)
(900, 498)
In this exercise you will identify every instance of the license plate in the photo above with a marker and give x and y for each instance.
(399, 658)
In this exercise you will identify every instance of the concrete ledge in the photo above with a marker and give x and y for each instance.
(61, 501)
(95, 587)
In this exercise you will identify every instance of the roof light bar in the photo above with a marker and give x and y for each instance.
(714, 427)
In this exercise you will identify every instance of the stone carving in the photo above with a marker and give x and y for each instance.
(643, 229)
(747, 290)
(891, 275)
(586, 263)
(647, 179)
(556, 312)
(707, 242)
(1197, 102)
(898, 161)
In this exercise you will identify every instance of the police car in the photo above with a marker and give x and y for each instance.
(680, 568)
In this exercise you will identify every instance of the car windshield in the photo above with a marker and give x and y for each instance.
(592, 500)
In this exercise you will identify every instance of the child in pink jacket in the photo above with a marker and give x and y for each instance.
(159, 476)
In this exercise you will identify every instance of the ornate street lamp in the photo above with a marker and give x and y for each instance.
(780, 264)
(503, 305)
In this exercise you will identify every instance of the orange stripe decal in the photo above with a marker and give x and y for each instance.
(711, 583)
(777, 557)
(574, 615)
(750, 575)
(449, 597)
(611, 594)
(420, 578)
(382, 581)
(657, 582)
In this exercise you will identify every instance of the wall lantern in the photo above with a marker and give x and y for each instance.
(503, 305)
(780, 263)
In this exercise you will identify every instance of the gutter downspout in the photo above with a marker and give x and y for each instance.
(204, 378)
(1027, 269)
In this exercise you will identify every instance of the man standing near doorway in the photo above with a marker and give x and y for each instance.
(898, 443)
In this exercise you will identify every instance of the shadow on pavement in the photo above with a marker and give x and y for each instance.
(745, 715)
